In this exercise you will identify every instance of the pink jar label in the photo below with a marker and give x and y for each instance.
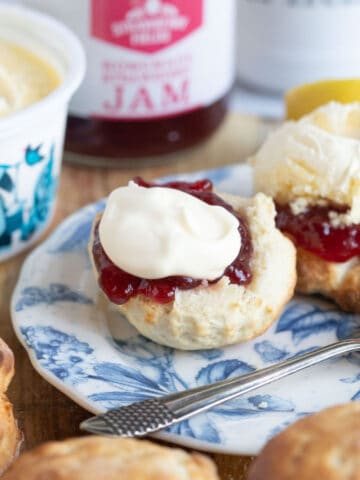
(145, 26)
(150, 59)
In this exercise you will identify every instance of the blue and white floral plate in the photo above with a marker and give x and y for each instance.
(95, 357)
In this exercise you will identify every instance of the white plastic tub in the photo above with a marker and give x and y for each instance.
(31, 140)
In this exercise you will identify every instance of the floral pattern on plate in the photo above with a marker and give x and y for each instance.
(93, 355)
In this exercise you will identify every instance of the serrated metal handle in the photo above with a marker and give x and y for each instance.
(149, 416)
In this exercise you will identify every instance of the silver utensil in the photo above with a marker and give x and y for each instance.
(151, 415)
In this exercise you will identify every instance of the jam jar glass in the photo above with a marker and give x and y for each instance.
(159, 72)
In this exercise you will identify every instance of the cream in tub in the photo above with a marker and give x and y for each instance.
(41, 65)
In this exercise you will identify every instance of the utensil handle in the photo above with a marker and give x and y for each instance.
(190, 402)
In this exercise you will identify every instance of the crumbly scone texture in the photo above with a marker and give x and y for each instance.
(321, 446)
(10, 436)
(212, 316)
(94, 458)
(338, 281)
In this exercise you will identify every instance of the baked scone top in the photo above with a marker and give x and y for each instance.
(6, 366)
(321, 446)
(317, 157)
(95, 458)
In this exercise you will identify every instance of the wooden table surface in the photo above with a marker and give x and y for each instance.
(43, 412)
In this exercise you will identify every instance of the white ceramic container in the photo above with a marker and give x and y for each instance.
(31, 140)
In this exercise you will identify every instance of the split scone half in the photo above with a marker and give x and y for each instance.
(311, 168)
(10, 436)
(95, 458)
(219, 312)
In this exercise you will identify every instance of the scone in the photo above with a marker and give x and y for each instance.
(6, 366)
(9, 434)
(225, 303)
(338, 281)
(311, 168)
(324, 446)
(95, 458)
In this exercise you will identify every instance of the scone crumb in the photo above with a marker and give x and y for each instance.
(340, 219)
(299, 205)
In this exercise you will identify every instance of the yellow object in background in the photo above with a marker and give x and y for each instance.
(304, 99)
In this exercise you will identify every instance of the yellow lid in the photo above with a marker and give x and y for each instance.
(304, 99)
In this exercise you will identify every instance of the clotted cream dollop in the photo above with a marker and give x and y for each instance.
(159, 232)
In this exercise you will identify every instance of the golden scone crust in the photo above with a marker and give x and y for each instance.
(6, 366)
(338, 281)
(324, 446)
(211, 316)
(10, 436)
(95, 458)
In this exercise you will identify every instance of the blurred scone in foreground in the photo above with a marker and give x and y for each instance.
(190, 268)
(311, 168)
(95, 458)
(10, 436)
(323, 446)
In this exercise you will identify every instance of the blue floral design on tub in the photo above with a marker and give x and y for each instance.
(21, 216)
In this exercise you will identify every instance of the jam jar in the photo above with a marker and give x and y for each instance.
(158, 76)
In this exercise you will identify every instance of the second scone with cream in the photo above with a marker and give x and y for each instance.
(315, 158)
(217, 312)
(312, 170)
